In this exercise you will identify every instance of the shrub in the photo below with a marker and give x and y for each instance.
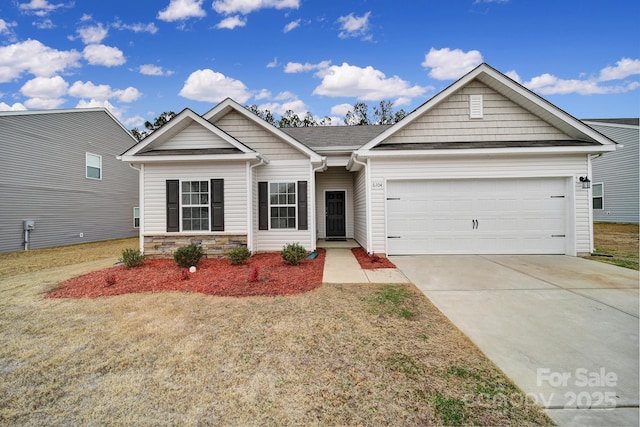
(184, 274)
(254, 276)
(293, 253)
(132, 258)
(110, 280)
(374, 258)
(239, 255)
(186, 256)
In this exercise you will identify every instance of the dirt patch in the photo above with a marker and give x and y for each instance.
(264, 274)
(371, 262)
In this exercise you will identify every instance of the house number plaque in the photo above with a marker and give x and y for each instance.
(377, 184)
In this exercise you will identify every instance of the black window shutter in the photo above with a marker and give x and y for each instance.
(173, 205)
(217, 205)
(302, 206)
(263, 206)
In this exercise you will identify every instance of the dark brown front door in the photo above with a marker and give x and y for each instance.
(335, 214)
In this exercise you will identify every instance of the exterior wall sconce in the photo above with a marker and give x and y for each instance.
(586, 182)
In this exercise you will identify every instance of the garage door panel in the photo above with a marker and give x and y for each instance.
(476, 216)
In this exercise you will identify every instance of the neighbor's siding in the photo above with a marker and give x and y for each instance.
(194, 136)
(257, 138)
(569, 166)
(335, 178)
(360, 208)
(283, 171)
(235, 193)
(619, 171)
(503, 121)
(42, 177)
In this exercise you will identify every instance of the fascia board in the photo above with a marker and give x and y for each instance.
(189, 158)
(486, 151)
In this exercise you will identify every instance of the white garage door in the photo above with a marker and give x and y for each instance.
(481, 216)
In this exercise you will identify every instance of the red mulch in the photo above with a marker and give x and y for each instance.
(213, 277)
(369, 262)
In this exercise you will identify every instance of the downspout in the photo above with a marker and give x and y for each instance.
(314, 223)
(367, 190)
(590, 158)
(140, 203)
(262, 161)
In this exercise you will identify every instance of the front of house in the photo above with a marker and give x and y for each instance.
(485, 166)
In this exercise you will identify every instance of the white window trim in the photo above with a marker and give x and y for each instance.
(86, 166)
(295, 204)
(208, 205)
(600, 196)
(136, 217)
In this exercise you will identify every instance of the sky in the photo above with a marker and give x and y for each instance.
(140, 58)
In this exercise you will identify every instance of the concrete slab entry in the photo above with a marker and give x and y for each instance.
(568, 348)
(340, 266)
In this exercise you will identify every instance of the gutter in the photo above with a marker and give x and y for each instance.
(263, 161)
(314, 223)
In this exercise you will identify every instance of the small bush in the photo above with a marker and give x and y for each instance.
(184, 274)
(110, 280)
(186, 256)
(239, 256)
(132, 258)
(293, 253)
(374, 258)
(254, 276)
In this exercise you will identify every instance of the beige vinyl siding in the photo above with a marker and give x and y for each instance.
(283, 171)
(194, 136)
(503, 120)
(336, 178)
(235, 192)
(360, 208)
(258, 139)
(567, 166)
(619, 172)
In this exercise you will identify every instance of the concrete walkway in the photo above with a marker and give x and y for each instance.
(564, 329)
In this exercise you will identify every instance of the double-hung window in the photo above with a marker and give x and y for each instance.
(597, 194)
(282, 203)
(93, 166)
(195, 205)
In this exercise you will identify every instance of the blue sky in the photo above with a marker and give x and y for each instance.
(140, 58)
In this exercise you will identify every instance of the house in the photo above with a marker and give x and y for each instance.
(485, 166)
(59, 173)
(616, 176)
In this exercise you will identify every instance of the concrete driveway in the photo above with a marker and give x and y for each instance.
(564, 329)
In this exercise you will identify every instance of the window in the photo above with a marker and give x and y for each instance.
(597, 193)
(136, 217)
(195, 205)
(94, 166)
(282, 204)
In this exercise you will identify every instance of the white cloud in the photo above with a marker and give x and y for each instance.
(5, 27)
(39, 7)
(35, 58)
(210, 86)
(624, 68)
(366, 84)
(447, 64)
(355, 26)
(229, 7)
(341, 109)
(44, 103)
(99, 54)
(136, 28)
(45, 24)
(86, 17)
(291, 25)
(179, 10)
(103, 92)
(15, 107)
(273, 63)
(154, 70)
(232, 22)
(45, 87)
(296, 67)
(263, 94)
(295, 105)
(93, 103)
(92, 35)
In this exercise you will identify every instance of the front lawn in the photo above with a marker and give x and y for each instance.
(616, 244)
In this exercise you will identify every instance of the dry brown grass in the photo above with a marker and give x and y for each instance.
(620, 241)
(340, 355)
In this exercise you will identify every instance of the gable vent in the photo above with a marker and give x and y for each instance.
(475, 106)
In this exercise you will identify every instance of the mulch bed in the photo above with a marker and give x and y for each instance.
(371, 262)
(213, 277)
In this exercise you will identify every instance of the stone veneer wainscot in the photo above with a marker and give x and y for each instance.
(214, 245)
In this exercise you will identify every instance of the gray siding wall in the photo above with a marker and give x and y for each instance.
(619, 172)
(42, 177)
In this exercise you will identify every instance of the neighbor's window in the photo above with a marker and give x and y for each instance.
(94, 166)
(136, 217)
(195, 205)
(282, 202)
(597, 193)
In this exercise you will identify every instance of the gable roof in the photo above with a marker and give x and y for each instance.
(229, 105)
(174, 126)
(516, 93)
(335, 138)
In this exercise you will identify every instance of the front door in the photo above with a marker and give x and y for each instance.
(335, 215)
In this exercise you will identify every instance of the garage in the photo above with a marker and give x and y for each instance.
(477, 216)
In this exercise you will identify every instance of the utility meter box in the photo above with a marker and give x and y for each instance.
(29, 224)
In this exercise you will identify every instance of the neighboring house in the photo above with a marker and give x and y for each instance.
(616, 177)
(58, 168)
(485, 166)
